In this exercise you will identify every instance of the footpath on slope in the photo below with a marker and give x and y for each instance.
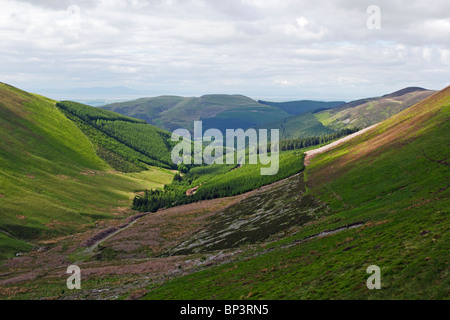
(312, 153)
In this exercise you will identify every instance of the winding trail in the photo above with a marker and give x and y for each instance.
(90, 250)
(312, 153)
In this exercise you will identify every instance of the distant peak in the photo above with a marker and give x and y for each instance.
(404, 91)
(222, 95)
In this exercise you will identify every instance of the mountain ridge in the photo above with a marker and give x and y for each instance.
(238, 111)
(215, 110)
(366, 112)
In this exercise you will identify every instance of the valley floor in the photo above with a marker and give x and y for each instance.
(159, 246)
(275, 242)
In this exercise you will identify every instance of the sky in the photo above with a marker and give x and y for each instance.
(267, 49)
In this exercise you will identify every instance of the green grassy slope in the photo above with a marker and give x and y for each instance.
(392, 179)
(366, 112)
(52, 182)
(216, 111)
(147, 109)
(299, 126)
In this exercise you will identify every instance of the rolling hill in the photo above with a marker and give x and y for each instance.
(299, 126)
(303, 106)
(366, 112)
(356, 114)
(295, 119)
(54, 180)
(216, 111)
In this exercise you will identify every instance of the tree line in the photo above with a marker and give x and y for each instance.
(216, 181)
(300, 143)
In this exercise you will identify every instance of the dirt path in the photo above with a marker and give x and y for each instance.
(312, 153)
(192, 191)
(90, 250)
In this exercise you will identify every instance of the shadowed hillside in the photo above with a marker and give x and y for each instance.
(216, 111)
(299, 126)
(303, 106)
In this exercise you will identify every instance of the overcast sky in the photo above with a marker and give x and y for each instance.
(269, 49)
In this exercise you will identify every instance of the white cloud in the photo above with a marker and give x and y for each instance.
(283, 83)
(303, 29)
(284, 48)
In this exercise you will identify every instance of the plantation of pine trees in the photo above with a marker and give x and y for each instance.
(216, 181)
(300, 143)
(126, 144)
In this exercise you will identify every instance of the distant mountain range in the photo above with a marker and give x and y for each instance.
(295, 119)
(216, 111)
(107, 94)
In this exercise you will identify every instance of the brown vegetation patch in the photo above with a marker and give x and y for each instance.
(373, 224)
(154, 266)
(12, 291)
(92, 173)
(192, 191)
(53, 240)
(121, 211)
(154, 233)
(21, 278)
(54, 224)
(22, 218)
(137, 294)
(422, 203)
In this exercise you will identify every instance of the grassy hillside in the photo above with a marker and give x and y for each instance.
(147, 109)
(299, 126)
(303, 106)
(391, 185)
(216, 111)
(52, 182)
(366, 112)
